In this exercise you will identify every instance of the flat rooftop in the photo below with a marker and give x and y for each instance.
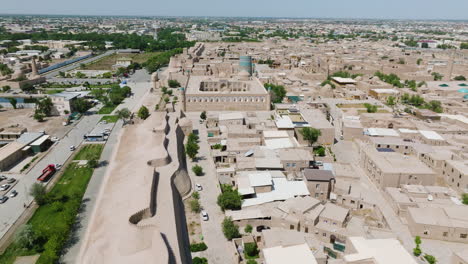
(209, 85)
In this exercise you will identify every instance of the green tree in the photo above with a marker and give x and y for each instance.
(418, 62)
(248, 229)
(230, 230)
(371, 108)
(198, 260)
(45, 106)
(320, 151)
(391, 101)
(13, 102)
(191, 148)
(279, 92)
(203, 115)
(198, 170)
(38, 116)
(435, 106)
(192, 137)
(310, 134)
(195, 205)
(437, 76)
(251, 261)
(38, 191)
(465, 198)
(93, 163)
(173, 83)
(417, 240)
(464, 46)
(80, 75)
(196, 195)
(460, 78)
(417, 251)
(27, 87)
(251, 249)
(25, 238)
(5, 70)
(80, 105)
(6, 88)
(197, 247)
(123, 114)
(143, 112)
(430, 259)
(229, 198)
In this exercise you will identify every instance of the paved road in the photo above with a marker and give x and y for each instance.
(139, 84)
(219, 250)
(13, 208)
(81, 81)
(77, 64)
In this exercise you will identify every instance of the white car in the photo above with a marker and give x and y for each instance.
(58, 166)
(54, 139)
(4, 187)
(13, 193)
(72, 148)
(204, 215)
(198, 187)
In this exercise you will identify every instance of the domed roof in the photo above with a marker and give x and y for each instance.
(244, 73)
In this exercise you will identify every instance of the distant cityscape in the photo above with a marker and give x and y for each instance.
(233, 140)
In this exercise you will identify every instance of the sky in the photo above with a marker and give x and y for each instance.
(377, 9)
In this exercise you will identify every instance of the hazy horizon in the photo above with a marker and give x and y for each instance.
(333, 9)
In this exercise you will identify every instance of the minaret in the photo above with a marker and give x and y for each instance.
(34, 72)
(182, 98)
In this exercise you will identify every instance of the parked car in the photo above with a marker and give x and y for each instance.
(54, 139)
(11, 180)
(198, 187)
(4, 187)
(204, 216)
(58, 166)
(3, 177)
(3, 199)
(72, 148)
(261, 228)
(13, 193)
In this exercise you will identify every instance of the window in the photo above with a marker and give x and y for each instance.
(353, 202)
(306, 230)
(317, 185)
(426, 232)
(291, 227)
(445, 234)
(406, 147)
(324, 234)
(463, 235)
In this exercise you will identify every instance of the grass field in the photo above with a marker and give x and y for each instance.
(89, 151)
(51, 223)
(53, 91)
(110, 118)
(107, 62)
(107, 109)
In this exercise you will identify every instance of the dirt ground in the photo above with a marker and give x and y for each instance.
(107, 62)
(23, 117)
(193, 223)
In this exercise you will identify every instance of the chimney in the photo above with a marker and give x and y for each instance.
(349, 190)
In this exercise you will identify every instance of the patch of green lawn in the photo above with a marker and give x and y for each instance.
(110, 118)
(52, 222)
(107, 109)
(89, 152)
